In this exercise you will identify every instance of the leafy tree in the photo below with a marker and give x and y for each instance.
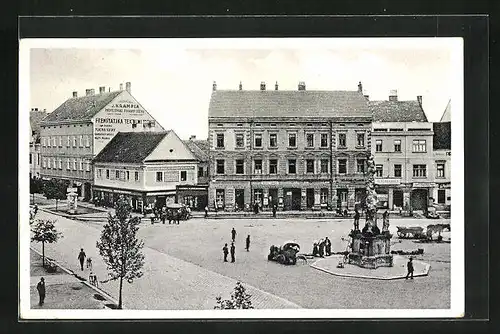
(119, 246)
(55, 189)
(44, 231)
(240, 299)
(35, 187)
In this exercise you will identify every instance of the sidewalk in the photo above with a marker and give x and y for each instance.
(167, 283)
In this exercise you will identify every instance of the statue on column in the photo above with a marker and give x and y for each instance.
(371, 199)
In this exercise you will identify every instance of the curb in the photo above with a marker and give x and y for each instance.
(81, 279)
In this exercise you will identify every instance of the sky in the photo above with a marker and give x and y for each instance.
(174, 82)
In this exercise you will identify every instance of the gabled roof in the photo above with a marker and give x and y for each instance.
(276, 103)
(447, 113)
(36, 118)
(397, 111)
(130, 147)
(81, 108)
(199, 148)
(442, 136)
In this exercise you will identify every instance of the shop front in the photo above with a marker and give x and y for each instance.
(420, 195)
(107, 197)
(195, 197)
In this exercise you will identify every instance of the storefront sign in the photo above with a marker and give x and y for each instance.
(444, 186)
(388, 181)
(423, 185)
(71, 190)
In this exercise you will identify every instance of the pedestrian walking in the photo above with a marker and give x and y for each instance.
(81, 257)
(274, 211)
(35, 209)
(328, 246)
(233, 234)
(163, 214)
(206, 211)
(409, 266)
(248, 243)
(232, 252)
(356, 219)
(41, 291)
(178, 216)
(225, 251)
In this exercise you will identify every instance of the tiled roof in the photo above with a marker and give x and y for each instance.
(199, 148)
(442, 136)
(36, 118)
(130, 147)
(81, 108)
(397, 111)
(275, 103)
(446, 117)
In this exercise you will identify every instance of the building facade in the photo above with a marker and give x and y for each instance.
(442, 165)
(298, 150)
(36, 116)
(144, 167)
(402, 145)
(75, 132)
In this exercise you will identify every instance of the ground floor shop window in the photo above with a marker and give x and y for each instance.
(219, 198)
(323, 198)
(441, 196)
(258, 196)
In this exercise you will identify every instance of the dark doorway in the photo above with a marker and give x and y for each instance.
(239, 196)
(419, 199)
(292, 199)
(397, 198)
(441, 196)
(309, 198)
(342, 199)
(160, 201)
(273, 197)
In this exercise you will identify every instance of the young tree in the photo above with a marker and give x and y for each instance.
(240, 299)
(44, 231)
(119, 246)
(35, 187)
(55, 189)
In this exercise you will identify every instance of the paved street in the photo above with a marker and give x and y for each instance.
(184, 268)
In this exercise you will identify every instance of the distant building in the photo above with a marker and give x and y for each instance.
(402, 144)
(145, 167)
(442, 161)
(196, 196)
(297, 149)
(76, 131)
(36, 117)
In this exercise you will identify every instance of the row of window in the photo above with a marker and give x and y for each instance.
(310, 166)
(123, 175)
(70, 141)
(292, 140)
(71, 164)
(258, 195)
(419, 145)
(418, 170)
(37, 159)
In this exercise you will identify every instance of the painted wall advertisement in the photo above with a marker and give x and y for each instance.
(122, 115)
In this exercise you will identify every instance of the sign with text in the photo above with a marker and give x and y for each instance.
(387, 181)
(71, 190)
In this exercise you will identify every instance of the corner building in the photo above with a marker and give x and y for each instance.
(301, 150)
(76, 131)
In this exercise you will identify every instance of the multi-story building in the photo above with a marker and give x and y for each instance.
(402, 145)
(145, 167)
(442, 161)
(36, 116)
(297, 149)
(76, 131)
(196, 196)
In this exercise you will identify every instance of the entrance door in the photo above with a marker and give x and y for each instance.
(342, 198)
(273, 197)
(292, 199)
(397, 198)
(309, 198)
(296, 199)
(239, 198)
(160, 201)
(419, 199)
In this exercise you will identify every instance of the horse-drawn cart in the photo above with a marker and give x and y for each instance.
(413, 232)
(287, 254)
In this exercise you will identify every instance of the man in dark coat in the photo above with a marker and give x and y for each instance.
(248, 243)
(225, 251)
(206, 211)
(81, 257)
(356, 219)
(315, 250)
(41, 291)
(409, 266)
(321, 248)
(233, 234)
(274, 210)
(232, 252)
(328, 246)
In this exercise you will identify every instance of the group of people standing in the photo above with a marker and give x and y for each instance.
(232, 249)
(163, 214)
(322, 248)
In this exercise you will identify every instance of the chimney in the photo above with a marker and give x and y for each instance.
(75, 94)
(121, 86)
(36, 109)
(240, 87)
(302, 85)
(214, 86)
(360, 87)
(419, 99)
(393, 95)
(32, 109)
(102, 90)
(128, 87)
(109, 89)
(276, 86)
(193, 137)
(262, 85)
